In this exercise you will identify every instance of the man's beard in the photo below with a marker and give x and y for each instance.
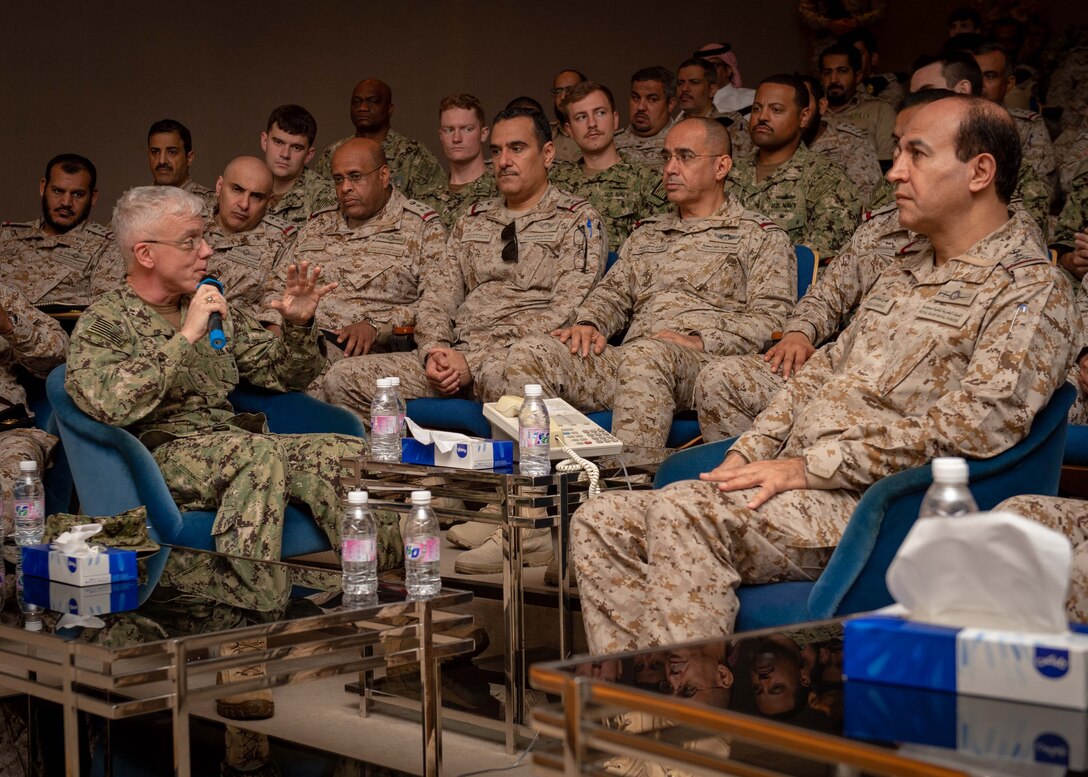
(838, 99)
(47, 217)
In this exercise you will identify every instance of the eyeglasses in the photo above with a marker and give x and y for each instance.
(188, 244)
(355, 178)
(509, 236)
(558, 90)
(683, 156)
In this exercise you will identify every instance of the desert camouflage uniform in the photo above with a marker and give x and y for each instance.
(1070, 149)
(1068, 86)
(953, 360)
(480, 305)
(874, 117)
(37, 344)
(731, 392)
(309, 194)
(808, 196)
(729, 278)
(52, 269)
(645, 150)
(413, 168)
(847, 146)
(452, 205)
(566, 148)
(244, 261)
(1078, 413)
(1070, 517)
(886, 87)
(379, 265)
(624, 194)
(206, 195)
(1035, 141)
(127, 366)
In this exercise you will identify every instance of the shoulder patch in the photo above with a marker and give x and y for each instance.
(317, 213)
(425, 212)
(871, 214)
(107, 330)
(21, 224)
(98, 229)
(849, 129)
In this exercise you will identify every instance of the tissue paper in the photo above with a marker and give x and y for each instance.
(450, 449)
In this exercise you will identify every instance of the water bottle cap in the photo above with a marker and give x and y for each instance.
(421, 497)
(533, 390)
(32, 625)
(28, 466)
(393, 380)
(384, 383)
(950, 469)
(357, 497)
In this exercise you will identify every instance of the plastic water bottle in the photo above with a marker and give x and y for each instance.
(949, 495)
(402, 406)
(534, 433)
(384, 424)
(359, 547)
(28, 494)
(422, 544)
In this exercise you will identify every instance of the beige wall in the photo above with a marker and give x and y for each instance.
(90, 77)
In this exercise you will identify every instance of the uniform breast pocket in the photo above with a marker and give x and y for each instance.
(535, 268)
(714, 268)
(904, 359)
(376, 271)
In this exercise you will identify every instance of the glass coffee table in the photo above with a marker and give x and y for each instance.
(517, 502)
(776, 702)
(163, 655)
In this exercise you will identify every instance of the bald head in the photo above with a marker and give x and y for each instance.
(244, 192)
(371, 108)
(360, 176)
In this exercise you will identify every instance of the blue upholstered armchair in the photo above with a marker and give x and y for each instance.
(114, 472)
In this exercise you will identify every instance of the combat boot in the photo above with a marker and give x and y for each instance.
(252, 705)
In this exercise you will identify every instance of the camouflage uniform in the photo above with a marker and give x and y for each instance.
(1035, 141)
(911, 378)
(52, 269)
(309, 194)
(645, 150)
(379, 265)
(808, 196)
(1071, 148)
(875, 118)
(208, 196)
(886, 87)
(1033, 194)
(413, 168)
(1070, 517)
(480, 304)
(847, 146)
(730, 278)
(244, 261)
(452, 205)
(1078, 414)
(1068, 86)
(624, 194)
(127, 366)
(1074, 215)
(731, 392)
(566, 148)
(37, 344)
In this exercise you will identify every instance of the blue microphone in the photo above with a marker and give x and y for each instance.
(216, 338)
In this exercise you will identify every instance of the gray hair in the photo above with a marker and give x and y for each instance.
(142, 207)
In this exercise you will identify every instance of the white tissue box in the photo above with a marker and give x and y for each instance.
(110, 565)
(81, 600)
(495, 455)
(1032, 668)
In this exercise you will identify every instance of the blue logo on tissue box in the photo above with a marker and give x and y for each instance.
(1051, 662)
(72, 564)
(1051, 749)
(462, 450)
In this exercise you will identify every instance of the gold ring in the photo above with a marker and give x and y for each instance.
(209, 298)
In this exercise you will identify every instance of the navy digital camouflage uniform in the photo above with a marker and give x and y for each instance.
(127, 366)
(37, 344)
(309, 194)
(953, 360)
